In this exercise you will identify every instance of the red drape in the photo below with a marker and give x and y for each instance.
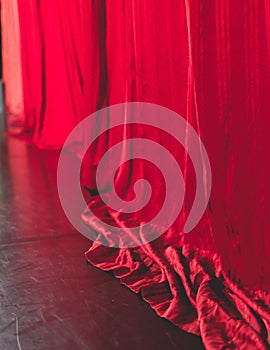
(208, 61)
(11, 60)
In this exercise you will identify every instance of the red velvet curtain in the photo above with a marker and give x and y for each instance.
(11, 60)
(209, 62)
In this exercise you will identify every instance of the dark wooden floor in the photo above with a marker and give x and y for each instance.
(50, 298)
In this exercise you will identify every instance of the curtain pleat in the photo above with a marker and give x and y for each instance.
(11, 60)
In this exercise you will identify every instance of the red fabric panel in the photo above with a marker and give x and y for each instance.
(31, 57)
(219, 83)
(11, 60)
(57, 70)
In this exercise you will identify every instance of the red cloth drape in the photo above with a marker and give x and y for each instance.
(208, 61)
(11, 59)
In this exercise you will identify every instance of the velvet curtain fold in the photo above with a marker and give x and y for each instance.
(209, 62)
(11, 60)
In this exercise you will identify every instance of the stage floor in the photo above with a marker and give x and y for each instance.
(50, 297)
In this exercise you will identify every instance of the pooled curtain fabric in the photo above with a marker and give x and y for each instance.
(209, 62)
(211, 65)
